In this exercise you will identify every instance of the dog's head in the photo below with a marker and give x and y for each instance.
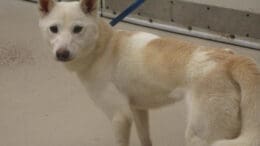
(69, 27)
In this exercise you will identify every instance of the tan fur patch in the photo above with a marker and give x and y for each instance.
(119, 40)
(165, 58)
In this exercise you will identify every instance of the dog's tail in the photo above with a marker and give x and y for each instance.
(246, 74)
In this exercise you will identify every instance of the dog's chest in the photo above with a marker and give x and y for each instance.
(103, 92)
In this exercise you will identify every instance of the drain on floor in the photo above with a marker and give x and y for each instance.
(12, 54)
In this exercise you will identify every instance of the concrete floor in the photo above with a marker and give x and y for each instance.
(41, 104)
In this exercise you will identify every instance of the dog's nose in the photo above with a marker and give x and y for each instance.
(63, 55)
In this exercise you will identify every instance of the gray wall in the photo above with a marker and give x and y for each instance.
(231, 21)
(243, 5)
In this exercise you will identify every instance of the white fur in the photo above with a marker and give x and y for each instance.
(66, 16)
(125, 78)
(200, 64)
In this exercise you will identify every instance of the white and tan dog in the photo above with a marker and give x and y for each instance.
(127, 73)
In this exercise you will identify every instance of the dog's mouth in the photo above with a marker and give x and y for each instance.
(63, 60)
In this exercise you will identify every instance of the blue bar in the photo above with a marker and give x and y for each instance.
(126, 12)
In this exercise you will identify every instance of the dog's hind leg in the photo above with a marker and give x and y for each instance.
(247, 75)
(141, 119)
(122, 122)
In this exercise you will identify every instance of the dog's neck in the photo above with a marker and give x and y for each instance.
(86, 63)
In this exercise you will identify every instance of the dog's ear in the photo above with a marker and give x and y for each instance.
(45, 6)
(88, 6)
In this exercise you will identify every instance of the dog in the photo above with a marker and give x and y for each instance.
(127, 73)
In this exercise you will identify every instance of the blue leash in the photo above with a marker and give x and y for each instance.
(126, 12)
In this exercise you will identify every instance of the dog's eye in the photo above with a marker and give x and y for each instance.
(77, 29)
(54, 29)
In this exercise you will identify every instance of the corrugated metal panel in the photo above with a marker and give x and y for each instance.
(241, 5)
(227, 22)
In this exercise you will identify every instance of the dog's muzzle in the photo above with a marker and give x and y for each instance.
(63, 55)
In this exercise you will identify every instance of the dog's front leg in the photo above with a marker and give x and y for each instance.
(141, 119)
(122, 122)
